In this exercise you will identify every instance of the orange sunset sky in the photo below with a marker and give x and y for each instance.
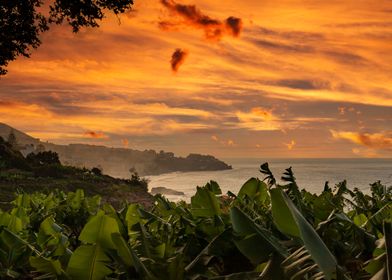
(247, 78)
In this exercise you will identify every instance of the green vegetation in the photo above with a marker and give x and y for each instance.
(43, 172)
(266, 231)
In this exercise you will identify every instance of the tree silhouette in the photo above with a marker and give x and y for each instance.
(22, 21)
(96, 171)
(43, 158)
(12, 141)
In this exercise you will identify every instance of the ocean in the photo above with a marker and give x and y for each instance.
(311, 174)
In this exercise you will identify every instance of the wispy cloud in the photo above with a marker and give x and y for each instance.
(263, 119)
(378, 141)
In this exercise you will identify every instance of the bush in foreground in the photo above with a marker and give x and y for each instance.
(266, 231)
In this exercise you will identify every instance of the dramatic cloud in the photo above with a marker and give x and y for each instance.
(178, 58)
(93, 134)
(381, 141)
(296, 63)
(214, 29)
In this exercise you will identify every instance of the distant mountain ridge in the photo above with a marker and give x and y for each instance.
(22, 137)
(119, 162)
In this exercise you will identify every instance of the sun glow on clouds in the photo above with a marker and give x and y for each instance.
(259, 119)
(258, 73)
(228, 142)
(371, 140)
(290, 145)
(15, 110)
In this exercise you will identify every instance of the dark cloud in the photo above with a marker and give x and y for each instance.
(167, 25)
(303, 84)
(214, 29)
(365, 24)
(278, 46)
(315, 83)
(300, 36)
(338, 56)
(346, 57)
(178, 59)
(93, 134)
(299, 42)
(235, 25)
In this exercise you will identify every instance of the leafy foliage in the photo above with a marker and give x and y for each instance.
(266, 231)
(43, 158)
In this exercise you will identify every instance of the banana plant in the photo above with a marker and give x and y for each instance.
(291, 222)
(266, 231)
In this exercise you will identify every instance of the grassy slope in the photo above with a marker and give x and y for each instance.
(17, 174)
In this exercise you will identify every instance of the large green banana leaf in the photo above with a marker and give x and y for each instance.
(255, 189)
(129, 257)
(89, 262)
(204, 203)
(291, 222)
(99, 230)
(50, 268)
(257, 243)
(388, 247)
(214, 247)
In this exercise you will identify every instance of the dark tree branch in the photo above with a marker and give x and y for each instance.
(22, 22)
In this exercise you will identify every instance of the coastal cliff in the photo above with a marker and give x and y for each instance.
(117, 162)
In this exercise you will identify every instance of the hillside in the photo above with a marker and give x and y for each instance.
(44, 173)
(118, 162)
(22, 137)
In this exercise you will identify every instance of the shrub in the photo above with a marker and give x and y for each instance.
(43, 158)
